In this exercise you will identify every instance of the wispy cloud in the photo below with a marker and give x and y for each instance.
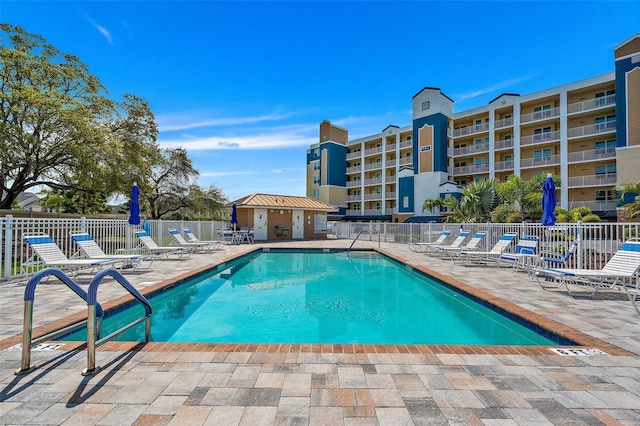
(102, 30)
(172, 123)
(493, 88)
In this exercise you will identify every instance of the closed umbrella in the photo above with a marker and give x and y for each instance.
(548, 201)
(234, 216)
(134, 206)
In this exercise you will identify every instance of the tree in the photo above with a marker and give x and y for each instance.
(168, 188)
(524, 196)
(432, 204)
(52, 115)
(478, 200)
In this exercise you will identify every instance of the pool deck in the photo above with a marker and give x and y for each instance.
(228, 384)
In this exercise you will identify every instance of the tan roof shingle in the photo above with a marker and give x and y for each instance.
(281, 201)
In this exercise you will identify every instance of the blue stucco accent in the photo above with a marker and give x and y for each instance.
(439, 123)
(623, 66)
(337, 164)
(405, 189)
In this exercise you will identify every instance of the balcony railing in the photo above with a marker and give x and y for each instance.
(597, 206)
(373, 166)
(390, 163)
(469, 170)
(354, 169)
(503, 144)
(591, 104)
(609, 179)
(406, 160)
(503, 165)
(477, 128)
(373, 212)
(471, 149)
(540, 115)
(390, 195)
(505, 122)
(376, 150)
(353, 198)
(352, 155)
(353, 183)
(592, 129)
(545, 160)
(406, 144)
(390, 147)
(373, 181)
(594, 154)
(540, 138)
(373, 196)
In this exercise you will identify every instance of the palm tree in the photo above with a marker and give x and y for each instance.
(478, 200)
(432, 204)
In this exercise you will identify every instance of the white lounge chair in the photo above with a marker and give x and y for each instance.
(421, 247)
(91, 250)
(435, 249)
(623, 266)
(483, 257)
(155, 250)
(179, 239)
(472, 245)
(525, 254)
(216, 244)
(50, 255)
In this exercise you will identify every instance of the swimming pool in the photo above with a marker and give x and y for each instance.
(321, 297)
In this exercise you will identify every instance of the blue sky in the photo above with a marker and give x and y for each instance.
(243, 86)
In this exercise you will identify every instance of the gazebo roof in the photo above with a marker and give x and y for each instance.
(281, 201)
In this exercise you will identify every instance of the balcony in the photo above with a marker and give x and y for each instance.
(352, 155)
(596, 206)
(390, 147)
(354, 169)
(503, 144)
(540, 138)
(353, 183)
(353, 198)
(390, 163)
(373, 212)
(464, 131)
(406, 144)
(373, 166)
(406, 160)
(471, 149)
(374, 181)
(372, 151)
(357, 212)
(540, 115)
(505, 122)
(390, 196)
(373, 196)
(592, 180)
(469, 170)
(592, 129)
(594, 154)
(592, 104)
(503, 165)
(545, 160)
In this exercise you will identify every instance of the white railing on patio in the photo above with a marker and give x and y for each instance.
(598, 240)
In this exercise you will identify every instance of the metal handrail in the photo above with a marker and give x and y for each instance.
(27, 327)
(92, 304)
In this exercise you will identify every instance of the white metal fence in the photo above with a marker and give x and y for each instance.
(598, 241)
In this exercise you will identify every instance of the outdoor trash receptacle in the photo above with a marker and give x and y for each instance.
(282, 231)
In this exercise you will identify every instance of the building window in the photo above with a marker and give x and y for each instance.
(542, 134)
(316, 180)
(405, 202)
(426, 105)
(541, 154)
(316, 193)
(603, 147)
(606, 170)
(605, 195)
(508, 157)
(541, 112)
(605, 123)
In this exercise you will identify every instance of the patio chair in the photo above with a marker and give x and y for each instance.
(246, 235)
(623, 265)
(91, 250)
(229, 236)
(524, 256)
(421, 247)
(179, 239)
(157, 251)
(436, 249)
(216, 244)
(468, 257)
(50, 255)
(548, 258)
(471, 245)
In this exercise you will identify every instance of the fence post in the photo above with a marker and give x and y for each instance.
(580, 246)
(8, 253)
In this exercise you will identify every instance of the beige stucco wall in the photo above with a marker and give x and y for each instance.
(628, 165)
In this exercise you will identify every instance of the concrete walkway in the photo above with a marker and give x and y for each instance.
(228, 384)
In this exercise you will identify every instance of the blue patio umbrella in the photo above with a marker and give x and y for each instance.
(134, 206)
(548, 201)
(234, 215)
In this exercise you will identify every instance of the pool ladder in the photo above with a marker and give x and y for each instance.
(93, 321)
(354, 241)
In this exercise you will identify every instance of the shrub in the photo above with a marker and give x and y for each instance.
(591, 218)
(515, 217)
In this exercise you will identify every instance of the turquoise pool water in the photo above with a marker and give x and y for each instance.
(316, 297)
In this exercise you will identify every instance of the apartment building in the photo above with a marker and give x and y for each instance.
(586, 132)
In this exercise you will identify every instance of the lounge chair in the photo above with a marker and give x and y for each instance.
(421, 247)
(557, 260)
(246, 235)
(51, 255)
(623, 265)
(193, 239)
(525, 254)
(91, 250)
(483, 257)
(179, 239)
(155, 250)
(437, 249)
(472, 245)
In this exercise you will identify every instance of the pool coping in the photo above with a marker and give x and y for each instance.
(580, 339)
